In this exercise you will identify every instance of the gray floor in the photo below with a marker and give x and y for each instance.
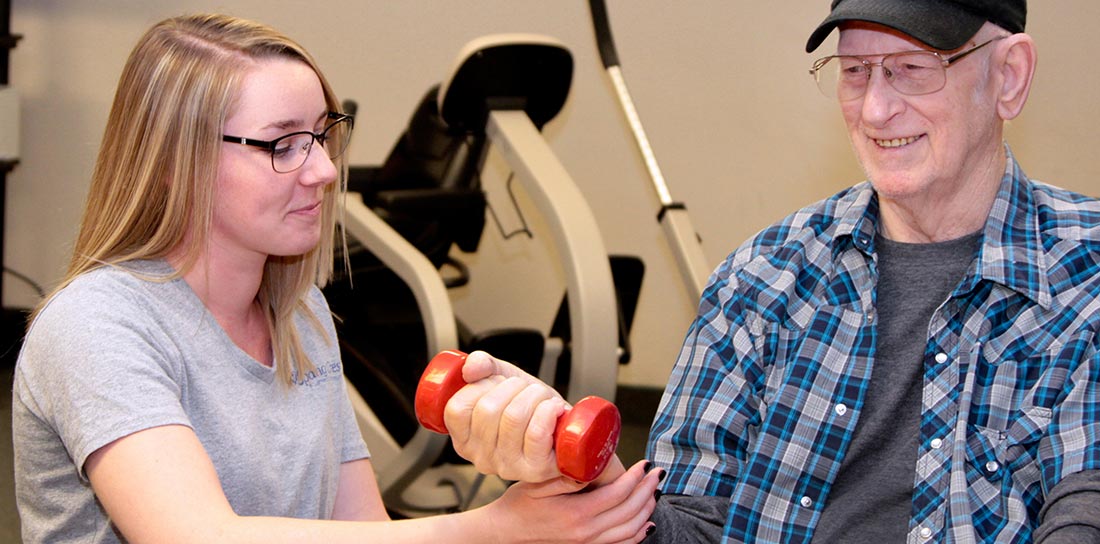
(642, 403)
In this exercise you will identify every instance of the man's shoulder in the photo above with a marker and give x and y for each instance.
(817, 223)
(798, 252)
(1065, 214)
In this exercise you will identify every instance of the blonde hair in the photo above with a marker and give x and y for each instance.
(153, 182)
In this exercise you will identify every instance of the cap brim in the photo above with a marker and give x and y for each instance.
(938, 24)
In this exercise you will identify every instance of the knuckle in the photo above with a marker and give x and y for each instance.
(540, 429)
(514, 415)
(515, 383)
(487, 406)
(454, 411)
(541, 389)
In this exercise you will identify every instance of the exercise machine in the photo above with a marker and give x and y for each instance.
(12, 320)
(403, 221)
(673, 216)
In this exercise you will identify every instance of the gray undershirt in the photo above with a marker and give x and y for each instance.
(871, 500)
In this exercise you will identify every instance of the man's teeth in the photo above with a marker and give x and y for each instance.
(897, 142)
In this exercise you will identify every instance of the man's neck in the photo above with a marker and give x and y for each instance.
(927, 225)
(943, 215)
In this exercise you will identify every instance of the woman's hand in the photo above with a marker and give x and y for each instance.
(558, 511)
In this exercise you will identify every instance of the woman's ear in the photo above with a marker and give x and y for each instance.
(1017, 57)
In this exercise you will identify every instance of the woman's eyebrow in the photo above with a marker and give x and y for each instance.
(288, 124)
(285, 124)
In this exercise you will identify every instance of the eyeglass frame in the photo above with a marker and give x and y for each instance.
(318, 137)
(946, 62)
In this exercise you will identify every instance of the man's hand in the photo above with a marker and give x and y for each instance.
(503, 421)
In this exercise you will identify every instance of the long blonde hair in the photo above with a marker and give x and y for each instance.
(153, 181)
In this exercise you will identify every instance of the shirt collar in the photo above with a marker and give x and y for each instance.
(857, 214)
(1012, 250)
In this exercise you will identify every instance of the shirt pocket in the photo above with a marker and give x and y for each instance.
(1003, 462)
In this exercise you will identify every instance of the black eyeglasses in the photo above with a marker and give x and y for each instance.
(845, 77)
(289, 152)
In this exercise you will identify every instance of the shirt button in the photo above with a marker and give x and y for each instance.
(936, 443)
(941, 357)
(841, 409)
(992, 466)
(806, 502)
(926, 532)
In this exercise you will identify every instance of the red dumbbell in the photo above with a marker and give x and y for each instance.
(585, 437)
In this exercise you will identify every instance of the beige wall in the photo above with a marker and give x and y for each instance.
(721, 85)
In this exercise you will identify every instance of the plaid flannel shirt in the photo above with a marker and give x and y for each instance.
(767, 391)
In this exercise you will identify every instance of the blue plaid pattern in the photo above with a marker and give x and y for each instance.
(765, 396)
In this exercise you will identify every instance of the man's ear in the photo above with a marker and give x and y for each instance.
(1017, 59)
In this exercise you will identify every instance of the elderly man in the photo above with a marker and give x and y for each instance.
(915, 358)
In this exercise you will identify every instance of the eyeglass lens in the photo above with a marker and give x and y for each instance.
(911, 73)
(291, 151)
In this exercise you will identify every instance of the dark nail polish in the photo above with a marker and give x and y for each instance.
(649, 530)
(647, 467)
(661, 476)
(657, 494)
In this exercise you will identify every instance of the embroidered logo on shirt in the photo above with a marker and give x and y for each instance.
(323, 373)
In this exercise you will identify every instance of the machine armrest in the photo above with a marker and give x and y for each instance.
(407, 464)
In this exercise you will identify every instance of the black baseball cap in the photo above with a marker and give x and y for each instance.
(939, 24)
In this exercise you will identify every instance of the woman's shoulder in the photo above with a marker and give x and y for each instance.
(112, 291)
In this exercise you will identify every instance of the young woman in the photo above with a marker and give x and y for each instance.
(183, 383)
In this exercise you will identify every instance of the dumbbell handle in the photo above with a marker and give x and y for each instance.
(585, 437)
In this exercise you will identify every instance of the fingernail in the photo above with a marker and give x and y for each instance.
(656, 494)
(648, 466)
(649, 530)
(661, 476)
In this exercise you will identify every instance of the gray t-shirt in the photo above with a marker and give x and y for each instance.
(872, 497)
(115, 353)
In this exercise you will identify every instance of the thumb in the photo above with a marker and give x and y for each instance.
(480, 365)
(556, 486)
